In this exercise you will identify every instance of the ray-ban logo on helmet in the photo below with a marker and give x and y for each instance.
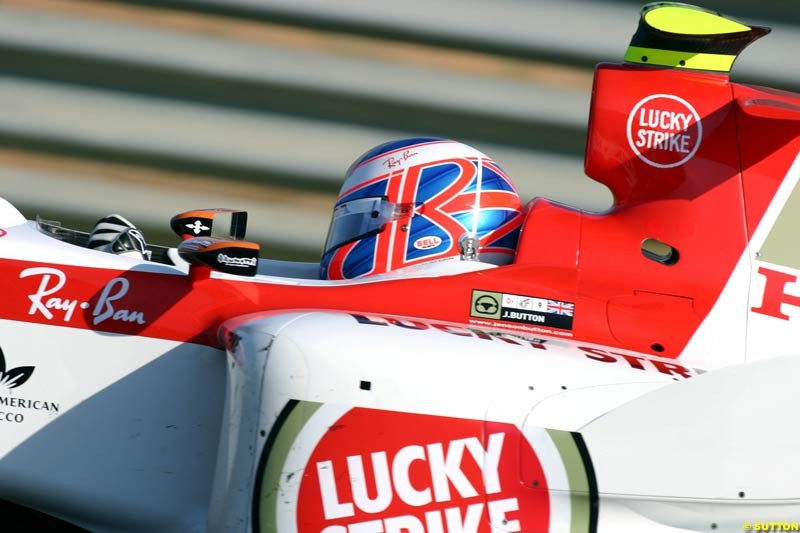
(397, 160)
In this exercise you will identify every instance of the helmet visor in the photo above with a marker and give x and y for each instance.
(356, 219)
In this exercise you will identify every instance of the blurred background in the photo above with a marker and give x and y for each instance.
(150, 108)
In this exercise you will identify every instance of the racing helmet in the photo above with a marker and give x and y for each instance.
(417, 201)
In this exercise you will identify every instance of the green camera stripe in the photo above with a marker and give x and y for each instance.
(287, 427)
(580, 476)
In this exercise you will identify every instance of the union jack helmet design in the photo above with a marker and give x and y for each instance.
(409, 202)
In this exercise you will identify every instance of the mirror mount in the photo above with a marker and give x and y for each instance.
(219, 223)
(205, 254)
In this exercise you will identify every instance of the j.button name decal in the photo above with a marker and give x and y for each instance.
(522, 309)
(664, 130)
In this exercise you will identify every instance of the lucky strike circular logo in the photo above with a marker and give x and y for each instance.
(664, 130)
(401, 472)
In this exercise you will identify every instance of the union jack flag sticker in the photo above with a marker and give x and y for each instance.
(560, 308)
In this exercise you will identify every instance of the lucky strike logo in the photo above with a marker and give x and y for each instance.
(379, 471)
(664, 130)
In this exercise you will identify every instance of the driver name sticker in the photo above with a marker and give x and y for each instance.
(664, 130)
(521, 309)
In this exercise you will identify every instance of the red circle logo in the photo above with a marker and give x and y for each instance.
(664, 130)
(388, 471)
(3, 232)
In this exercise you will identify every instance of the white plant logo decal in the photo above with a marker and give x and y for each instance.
(14, 377)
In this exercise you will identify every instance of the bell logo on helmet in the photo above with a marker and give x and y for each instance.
(427, 243)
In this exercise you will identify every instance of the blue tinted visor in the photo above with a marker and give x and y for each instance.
(356, 219)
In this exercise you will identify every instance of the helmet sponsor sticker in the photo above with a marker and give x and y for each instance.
(399, 159)
(343, 470)
(427, 243)
(521, 309)
(664, 130)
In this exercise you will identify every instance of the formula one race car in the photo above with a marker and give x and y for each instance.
(628, 371)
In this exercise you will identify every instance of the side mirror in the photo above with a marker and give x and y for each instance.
(224, 255)
(222, 223)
